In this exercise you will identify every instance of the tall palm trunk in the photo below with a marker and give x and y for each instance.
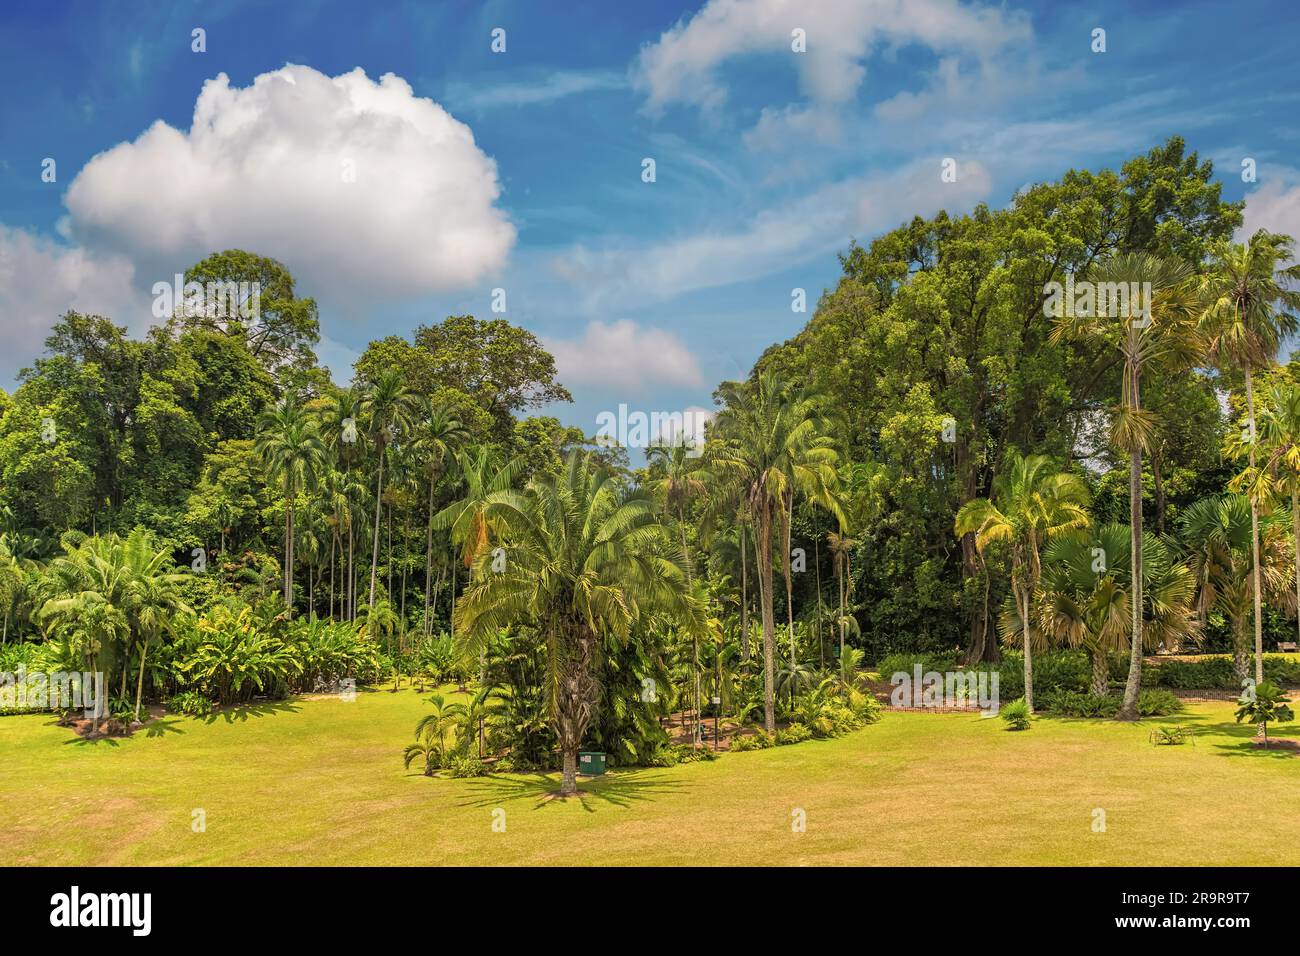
(1029, 652)
(139, 683)
(763, 550)
(1100, 672)
(1295, 534)
(744, 596)
(1128, 710)
(1254, 542)
(428, 563)
(288, 566)
(788, 520)
(379, 503)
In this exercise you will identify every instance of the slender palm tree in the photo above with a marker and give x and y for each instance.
(1247, 312)
(588, 558)
(1031, 505)
(842, 546)
(389, 409)
(440, 435)
(766, 440)
(488, 491)
(1164, 337)
(290, 445)
(1280, 473)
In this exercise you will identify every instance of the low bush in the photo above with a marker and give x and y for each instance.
(1015, 714)
(794, 734)
(759, 741)
(466, 767)
(1153, 702)
(189, 704)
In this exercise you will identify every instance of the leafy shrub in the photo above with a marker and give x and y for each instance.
(759, 741)
(190, 704)
(1158, 702)
(794, 734)
(1016, 714)
(905, 661)
(1069, 703)
(1171, 736)
(470, 766)
(1154, 702)
(1206, 674)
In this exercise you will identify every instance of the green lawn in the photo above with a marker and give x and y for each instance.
(321, 782)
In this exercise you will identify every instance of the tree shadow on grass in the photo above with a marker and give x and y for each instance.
(619, 788)
(1282, 744)
(242, 712)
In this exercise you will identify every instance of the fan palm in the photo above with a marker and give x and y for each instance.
(1166, 338)
(1031, 505)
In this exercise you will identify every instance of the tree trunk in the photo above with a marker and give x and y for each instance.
(569, 778)
(428, 564)
(763, 549)
(1128, 710)
(1100, 673)
(1029, 653)
(139, 684)
(789, 583)
(1295, 534)
(379, 503)
(1254, 541)
(744, 595)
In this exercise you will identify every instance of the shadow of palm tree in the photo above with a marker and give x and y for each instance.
(618, 788)
(163, 726)
(243, 712)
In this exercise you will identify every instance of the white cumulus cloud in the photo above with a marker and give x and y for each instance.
(621, 354)
(41, 280)
(365, 190)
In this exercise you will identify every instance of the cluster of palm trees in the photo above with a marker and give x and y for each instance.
(323, 455)
(105, 603)
(1232, 316)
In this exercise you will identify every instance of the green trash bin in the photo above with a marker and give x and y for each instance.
(591, 763)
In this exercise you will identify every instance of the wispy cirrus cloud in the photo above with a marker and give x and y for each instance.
(548, 88)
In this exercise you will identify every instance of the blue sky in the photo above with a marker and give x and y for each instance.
(527, 174)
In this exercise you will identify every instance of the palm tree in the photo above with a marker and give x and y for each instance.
(1217, 534)
(290, 445)
(441, 433)
(488, 492)
(1086, 594)
(1165, 337)
(389, 408)
(1280, 473)
(842, 546)
(155, 596)
(431, 734)
(1247, 312)
(588, 559)
(769, 441)
(1031, 505)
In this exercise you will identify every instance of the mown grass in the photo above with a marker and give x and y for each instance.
(321, 781)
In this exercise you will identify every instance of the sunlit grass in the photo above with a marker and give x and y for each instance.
(321, 782)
